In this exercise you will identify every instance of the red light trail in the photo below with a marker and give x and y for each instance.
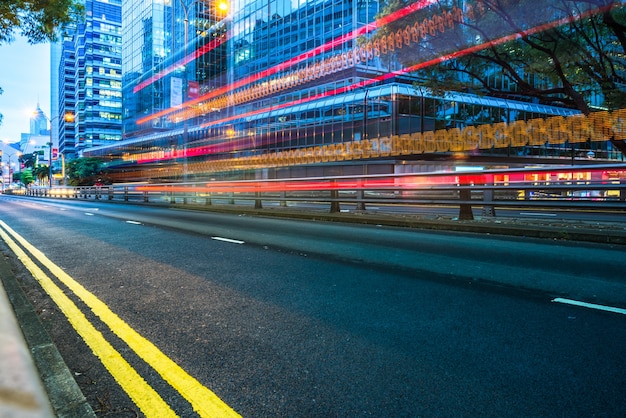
(183, 62)
(227, 146)
(404, 12)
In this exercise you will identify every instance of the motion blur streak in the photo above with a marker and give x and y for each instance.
(402, 13)
(406, 11)
(424, 180)
(183, 62)
(228, 145)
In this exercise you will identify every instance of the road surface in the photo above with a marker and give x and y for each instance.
(210, 314)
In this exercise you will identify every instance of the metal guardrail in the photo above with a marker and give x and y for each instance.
(462, 190)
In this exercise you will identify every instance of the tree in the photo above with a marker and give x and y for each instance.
(84, 171)
(41, 172)
(26, 177)
(563, 53)
(37, 20)
(28, 160)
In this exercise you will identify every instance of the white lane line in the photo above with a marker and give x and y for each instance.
(590, 305)
(537, 214)
(133, 222)
(88, 214)
(233, 241)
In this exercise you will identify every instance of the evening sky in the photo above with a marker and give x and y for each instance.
(25, 79)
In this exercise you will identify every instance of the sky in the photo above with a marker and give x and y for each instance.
(25, 79)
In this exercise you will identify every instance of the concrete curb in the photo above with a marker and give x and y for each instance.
(64, 395)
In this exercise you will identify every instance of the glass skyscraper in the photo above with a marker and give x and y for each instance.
(90, 80)
(285, 88)
(187, 96)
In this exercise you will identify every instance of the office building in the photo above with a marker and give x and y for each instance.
(89, 79)
(286, 88)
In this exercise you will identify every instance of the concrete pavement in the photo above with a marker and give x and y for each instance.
(21, 391)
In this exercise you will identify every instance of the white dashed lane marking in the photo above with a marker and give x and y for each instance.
(233, 241)
(590, 305)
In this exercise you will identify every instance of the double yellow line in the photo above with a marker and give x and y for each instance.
(203, 401)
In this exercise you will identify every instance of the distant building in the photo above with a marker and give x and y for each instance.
(39, 123)
(37, 141)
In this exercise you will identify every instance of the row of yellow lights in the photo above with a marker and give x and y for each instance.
(598, 126)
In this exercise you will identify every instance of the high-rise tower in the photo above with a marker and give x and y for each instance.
(90, 80)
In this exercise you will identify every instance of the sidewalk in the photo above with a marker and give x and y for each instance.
(34, 380)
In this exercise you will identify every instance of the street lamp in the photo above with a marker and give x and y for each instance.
(68, 117)
(49, 144)
(50, 159)
(9, 166)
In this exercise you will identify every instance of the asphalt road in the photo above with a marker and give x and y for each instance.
(299, 318)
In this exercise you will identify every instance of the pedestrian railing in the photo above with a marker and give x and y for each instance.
(601, 187)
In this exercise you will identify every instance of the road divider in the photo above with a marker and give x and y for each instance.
(203, 401)
(144, 396)
(590, 305)
(232, 241)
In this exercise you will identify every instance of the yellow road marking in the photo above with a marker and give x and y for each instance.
(204, 402)
(144, 396)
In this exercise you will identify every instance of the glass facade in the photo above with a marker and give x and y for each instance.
(147, 46)
(90, 80)
(244, 46)
(67, 96)
(225, 91)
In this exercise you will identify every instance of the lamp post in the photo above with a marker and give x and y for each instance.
(186, 81)
(50, 160)
(67, 117)
(9, 168)
(49, 143)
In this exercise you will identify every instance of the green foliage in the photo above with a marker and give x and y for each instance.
(558, 54)
(41, 172)
(84, 171)
(26, 176)
(37, 20)
(28, 160)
